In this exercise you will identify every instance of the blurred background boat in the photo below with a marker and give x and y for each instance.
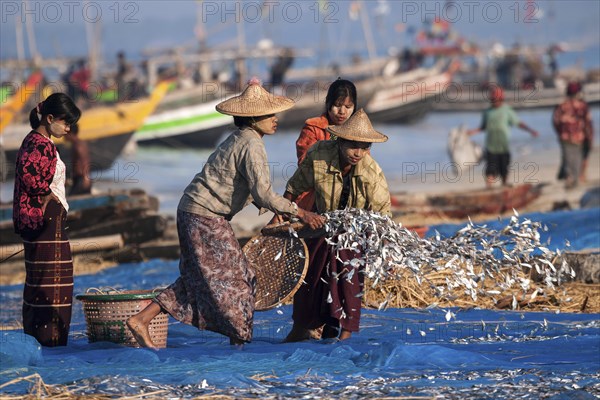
(529, 75)
(106, 129)
(11, 104)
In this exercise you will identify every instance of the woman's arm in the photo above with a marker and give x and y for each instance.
(36, 166)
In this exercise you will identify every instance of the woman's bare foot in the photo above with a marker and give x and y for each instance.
(139, 330)
(345, 335)
(298, 334)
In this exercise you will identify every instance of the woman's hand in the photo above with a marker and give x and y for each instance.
(277, 219)
(315, 221)
(46, 199)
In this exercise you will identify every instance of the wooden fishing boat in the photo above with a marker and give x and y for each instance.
(106, 129)
(187, 117)
(178, 122)
(460, 205)
(464, 98)
(407, 97)
(12, 106)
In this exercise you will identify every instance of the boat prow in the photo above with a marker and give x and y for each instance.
(15, 103)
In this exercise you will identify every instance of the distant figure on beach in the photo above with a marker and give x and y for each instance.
(216, 289)
(39, 217)
(342, 174)
(125, 79)
(80, 161)
(573, 125)
(496, 122)
(80, 81)
(340, 104)
(281, 66)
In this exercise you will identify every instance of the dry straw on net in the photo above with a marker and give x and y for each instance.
(407, 293)
(478, 267)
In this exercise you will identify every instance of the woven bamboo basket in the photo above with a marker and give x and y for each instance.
(107, 312)
(285, 229)
(280, 264)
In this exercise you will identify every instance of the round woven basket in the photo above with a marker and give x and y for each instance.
(107, 312)
(292, 229)
(280, 264)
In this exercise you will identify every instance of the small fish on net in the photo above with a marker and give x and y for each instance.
(385, 250)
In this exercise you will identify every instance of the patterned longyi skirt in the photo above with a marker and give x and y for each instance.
(48, 291)
(216, 287)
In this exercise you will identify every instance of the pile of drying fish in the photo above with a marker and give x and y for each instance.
(477, 261)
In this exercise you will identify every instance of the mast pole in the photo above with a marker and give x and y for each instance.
(31, 40)
(20, 46)
(364, 18)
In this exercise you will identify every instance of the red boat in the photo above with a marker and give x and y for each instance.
(465, 204)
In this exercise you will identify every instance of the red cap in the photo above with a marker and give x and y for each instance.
(496, 94)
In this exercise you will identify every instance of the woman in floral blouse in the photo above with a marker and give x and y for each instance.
(39, 215)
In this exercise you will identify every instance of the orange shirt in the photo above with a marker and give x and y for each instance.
(314, 130)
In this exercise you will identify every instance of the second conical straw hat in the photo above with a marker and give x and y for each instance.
(358, 128)
(254, 101)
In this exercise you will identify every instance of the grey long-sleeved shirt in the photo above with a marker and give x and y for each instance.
(235, 174)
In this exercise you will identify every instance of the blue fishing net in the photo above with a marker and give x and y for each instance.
(398, 352)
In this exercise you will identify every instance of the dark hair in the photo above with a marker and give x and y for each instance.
(59, 105)
(241, 122)
(340, 89)
(573, 88)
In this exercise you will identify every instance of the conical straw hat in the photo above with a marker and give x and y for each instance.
(358, 128)
(254, 101)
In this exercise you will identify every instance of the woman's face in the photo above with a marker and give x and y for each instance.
(352, 152)
(266, 125)
(340, 111)
(58, 127)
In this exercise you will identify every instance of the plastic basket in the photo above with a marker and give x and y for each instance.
(106, 314)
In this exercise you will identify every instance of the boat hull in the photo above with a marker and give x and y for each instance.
(406, 98)
(197, 138)
(407, 113)
(465, 99)
(461, 205)
(198, 125)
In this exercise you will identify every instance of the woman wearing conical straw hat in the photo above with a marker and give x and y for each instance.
(216, 289)
(340, 104)
(343, 175)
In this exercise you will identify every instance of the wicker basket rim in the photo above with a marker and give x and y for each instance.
(125, 295)
(300, 280)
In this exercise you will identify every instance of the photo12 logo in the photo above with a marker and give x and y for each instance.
(470, 11)
(270, 11)
(70, 11)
